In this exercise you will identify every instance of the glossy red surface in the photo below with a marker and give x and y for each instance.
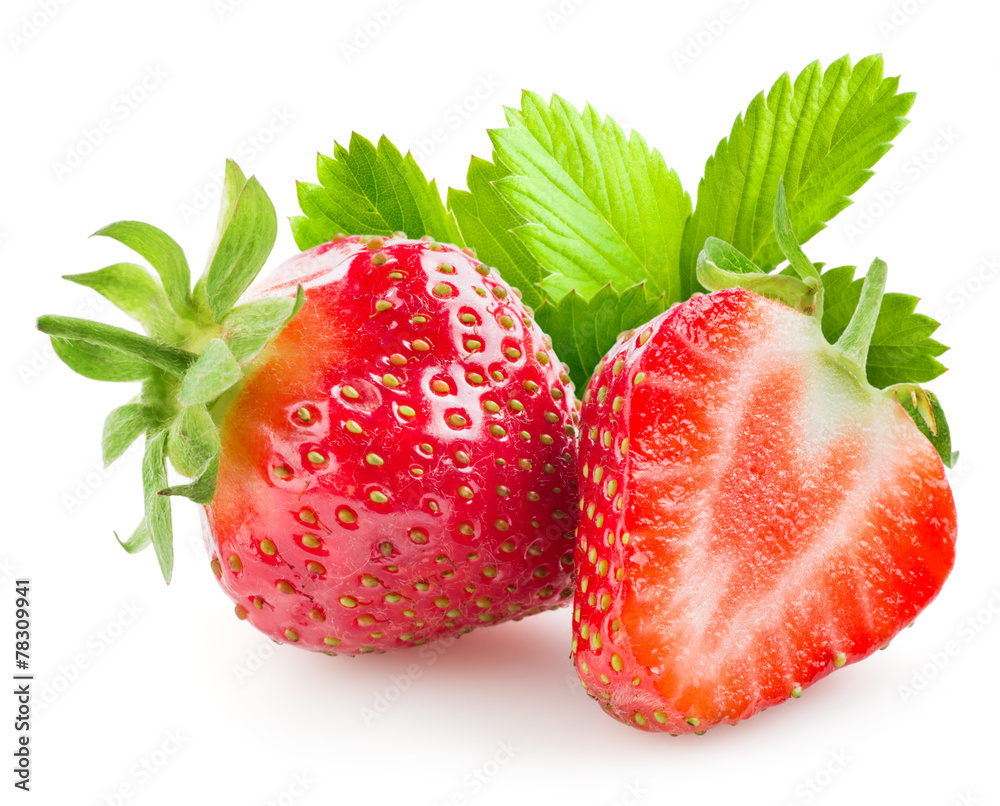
(400, 463)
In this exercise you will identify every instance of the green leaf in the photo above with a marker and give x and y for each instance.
(249, 328)
(134, 291)
(121, 428)
(215, 370)
(582, 331)
(202, 489)
(902, 350)
(193, 441)
(100, 363)
(940, 435)
(242, 250)
(97, 334)
(488, 222)
(822, 134)
(157, 520)
(600, 207)
(163, 254)
(374, 191)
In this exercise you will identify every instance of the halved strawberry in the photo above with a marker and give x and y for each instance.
(754, 513)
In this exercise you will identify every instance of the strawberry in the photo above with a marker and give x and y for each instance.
(394, 459)
(397, 465)
(755, 514)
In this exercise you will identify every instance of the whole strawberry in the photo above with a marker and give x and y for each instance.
(382, 436)
(755, 515)
(398, 464)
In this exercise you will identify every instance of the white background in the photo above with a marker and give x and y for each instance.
(217, 713)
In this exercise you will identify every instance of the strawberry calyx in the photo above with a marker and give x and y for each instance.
(802, 295)
(197, 345)
(800, 286)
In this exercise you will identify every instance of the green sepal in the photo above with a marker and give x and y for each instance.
(140, 538)
(132, 290)
(183, 362)
(99, 362)
(926, 412)
(249, 328)
(163, 253)
(157, 520)
(582, 331)
(785, 236)
(202, 489)
(170, 359)
(250, 230)
(214, 371)
(856, 339)
(792, 250)
(232, 186)
(721, 266)
(122, 427)
(902, 350)
(725, 257)
(193, 441)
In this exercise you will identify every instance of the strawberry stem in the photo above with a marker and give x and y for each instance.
(857, 337)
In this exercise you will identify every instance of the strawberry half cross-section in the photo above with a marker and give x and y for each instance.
(754, 514)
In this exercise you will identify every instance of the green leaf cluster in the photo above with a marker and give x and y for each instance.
(596, 230)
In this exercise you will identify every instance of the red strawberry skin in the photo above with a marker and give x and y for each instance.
(754, 515)
(400, 463)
